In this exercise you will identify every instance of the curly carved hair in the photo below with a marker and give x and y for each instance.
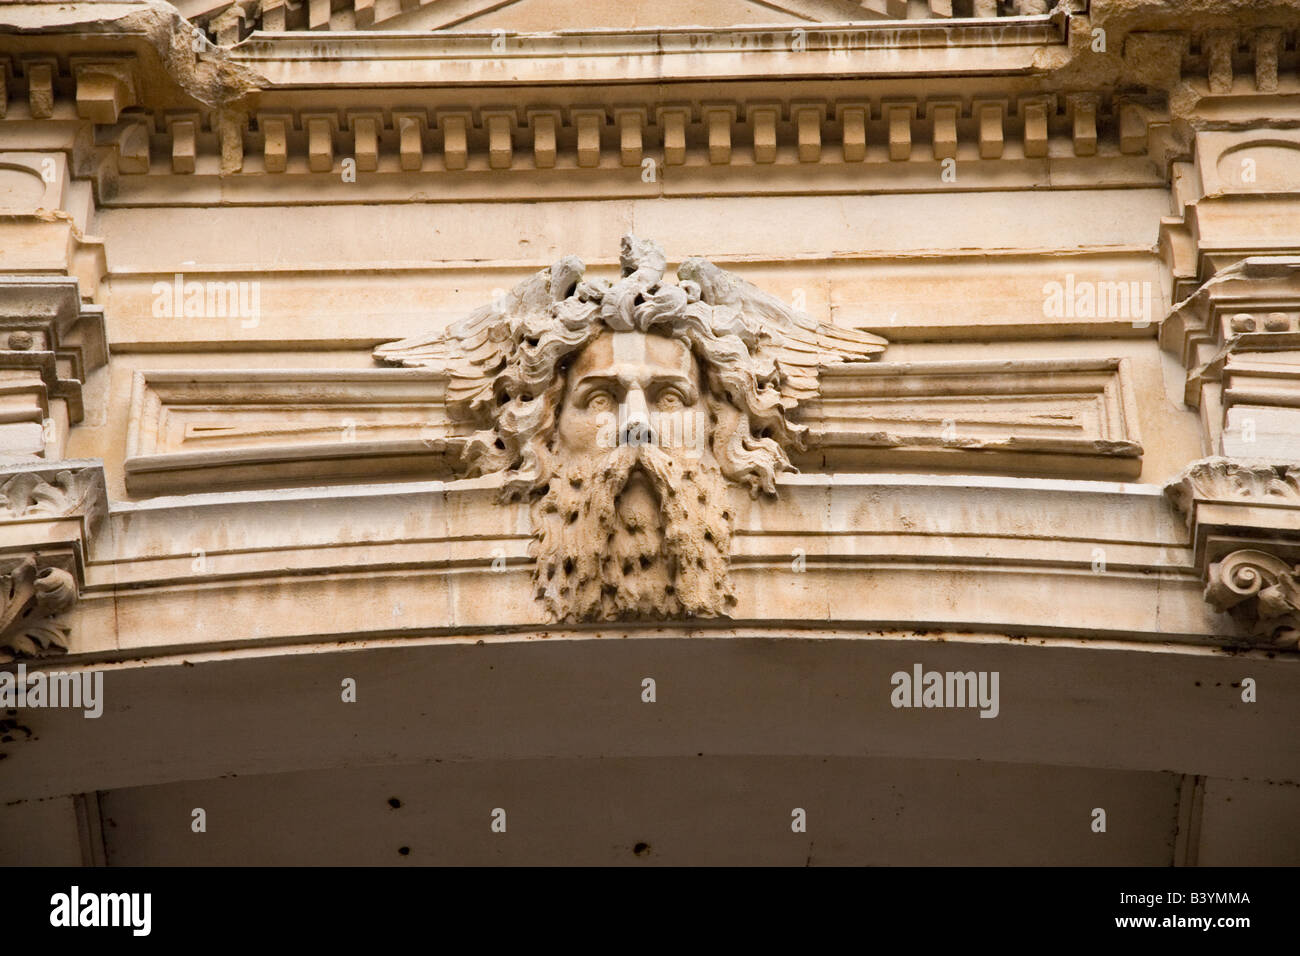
(750, 431)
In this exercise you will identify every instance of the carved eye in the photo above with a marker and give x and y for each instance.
(669, 399)
(600, 401)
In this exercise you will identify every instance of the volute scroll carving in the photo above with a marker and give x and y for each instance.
(1244, 520)
(1260, 590)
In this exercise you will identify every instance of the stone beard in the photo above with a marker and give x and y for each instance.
(633, 534)
(634, 521)
(627, 414)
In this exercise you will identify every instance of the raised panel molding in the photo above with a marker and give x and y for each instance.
(214, 428)
(210, 429)
(1075, 418)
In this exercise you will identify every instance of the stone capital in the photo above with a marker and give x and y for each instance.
(1244, 520)
(48, 514)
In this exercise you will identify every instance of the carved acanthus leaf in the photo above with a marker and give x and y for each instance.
(30, 495)
(1227, 479)
(31, 598)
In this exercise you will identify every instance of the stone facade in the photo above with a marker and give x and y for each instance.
(607, 416)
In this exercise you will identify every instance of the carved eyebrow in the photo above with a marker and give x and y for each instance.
(605, 379)
(593, 381)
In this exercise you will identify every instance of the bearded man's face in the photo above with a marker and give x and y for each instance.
(634, 521)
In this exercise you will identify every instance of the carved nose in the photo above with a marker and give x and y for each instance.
(636, 420)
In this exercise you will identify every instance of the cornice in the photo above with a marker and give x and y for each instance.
(1218, 53)
(387, 99)
(45, 326)
(1252, 306)
(634, 141)
(668, 55)
(293, 103)
(226, 23)
(634, 137)
(450, 558)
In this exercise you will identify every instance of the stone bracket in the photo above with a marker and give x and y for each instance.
(48, 514)
(33, 593)
(1259, 590)
(1244, 520)
(722, 128)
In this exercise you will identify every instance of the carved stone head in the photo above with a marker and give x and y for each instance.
(623, 412)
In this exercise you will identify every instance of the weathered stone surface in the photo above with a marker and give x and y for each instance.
(1072, 223)
(621, 410)
(31, 599)
(48, 513)
(1244, 517)
(1260, 589)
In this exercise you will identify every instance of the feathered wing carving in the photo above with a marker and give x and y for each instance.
(506, 363)
(798, 344)
(474, 349)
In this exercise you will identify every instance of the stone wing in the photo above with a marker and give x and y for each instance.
(474, 349)
(799, 345)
